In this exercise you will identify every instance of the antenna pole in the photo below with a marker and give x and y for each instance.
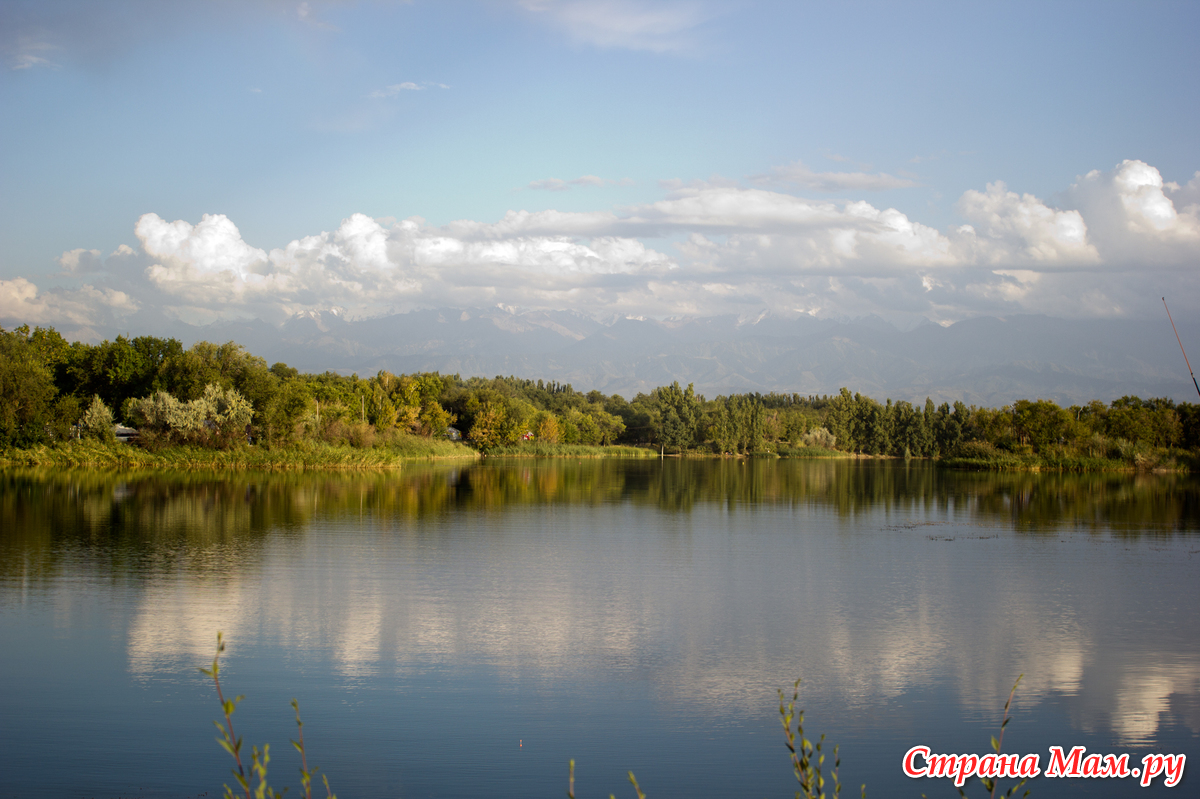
(1181, 349)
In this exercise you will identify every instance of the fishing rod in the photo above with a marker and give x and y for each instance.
(1181, 349)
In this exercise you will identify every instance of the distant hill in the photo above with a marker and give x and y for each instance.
(983, 361)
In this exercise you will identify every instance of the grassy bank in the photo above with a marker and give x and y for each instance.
(1097, 455)
(535, 449)
(811, 452)
(1009, 462)
(308, 455)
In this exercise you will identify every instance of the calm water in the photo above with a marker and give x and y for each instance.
(465, 630)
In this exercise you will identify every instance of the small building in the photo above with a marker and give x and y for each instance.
(454, 434)
(126, 435)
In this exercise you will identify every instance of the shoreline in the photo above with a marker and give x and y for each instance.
(307, 457)
(321, 456)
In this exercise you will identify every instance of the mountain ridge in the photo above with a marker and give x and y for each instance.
(988, 361)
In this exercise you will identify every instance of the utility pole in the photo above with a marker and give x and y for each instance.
(1181, 349)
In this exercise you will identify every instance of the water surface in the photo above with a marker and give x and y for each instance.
(465, 630)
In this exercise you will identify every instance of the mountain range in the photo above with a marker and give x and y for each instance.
(984, 361)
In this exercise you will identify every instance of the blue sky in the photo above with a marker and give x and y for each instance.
(674, 157)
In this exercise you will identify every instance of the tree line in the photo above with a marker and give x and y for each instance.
(220, 394)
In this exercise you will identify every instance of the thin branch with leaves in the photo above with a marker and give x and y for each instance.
(232, 744)
(990, 783)
(807, 757)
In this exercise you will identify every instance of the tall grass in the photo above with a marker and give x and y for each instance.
(541, 449)
(1097, 455)
(232, 743)
(807, 758)
(786, 451)
(300, 456)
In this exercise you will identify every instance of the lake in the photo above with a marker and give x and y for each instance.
(455, 630)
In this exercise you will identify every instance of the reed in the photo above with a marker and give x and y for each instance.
(232, 743)
(541, 449)
(301, 456)
(811, 452)
(989, 783)
(1008, 462)
(808, 759)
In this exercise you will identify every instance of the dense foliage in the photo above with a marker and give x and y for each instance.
(218, 395)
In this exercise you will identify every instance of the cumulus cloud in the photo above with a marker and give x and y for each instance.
(1012, 228)
(208, 261)
(80, 260)
(627, 24)
(798, 174)
(1132, 219)
(22, 302)
(1186, 195)
(1110, 246)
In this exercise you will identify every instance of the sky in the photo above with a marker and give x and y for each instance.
(256, 159)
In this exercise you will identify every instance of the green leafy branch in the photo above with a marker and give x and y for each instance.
(807, 757)
(232, 743)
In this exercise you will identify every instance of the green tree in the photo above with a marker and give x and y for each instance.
(486, 429)
(26, 390)
(1041, 423)
(285, 411)
(679, 411)
(435, 420)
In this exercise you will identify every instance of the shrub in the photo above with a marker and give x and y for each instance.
(217, 418)
(97, 421)
(361, 435)
(819, 437)
(980, 450)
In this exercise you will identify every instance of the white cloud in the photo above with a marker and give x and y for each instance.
(1133, 221)
(799, 174)
(394, 89)
(1186, 195)
(548, 184)
(736, 209)
(591, 180)
(1011, 228)
(1118, 240)
(208, 263)
(558, 184)
(659, 27)
(545, 223)
(29, 61)
(213, 246)
(80, 260)
(399, 88)
(28, 51)
(21, 302)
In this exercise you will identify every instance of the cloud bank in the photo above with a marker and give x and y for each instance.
(1111, 246)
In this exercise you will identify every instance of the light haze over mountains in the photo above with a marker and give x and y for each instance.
(982, 361)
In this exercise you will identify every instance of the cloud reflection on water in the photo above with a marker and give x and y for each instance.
(716, 583)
